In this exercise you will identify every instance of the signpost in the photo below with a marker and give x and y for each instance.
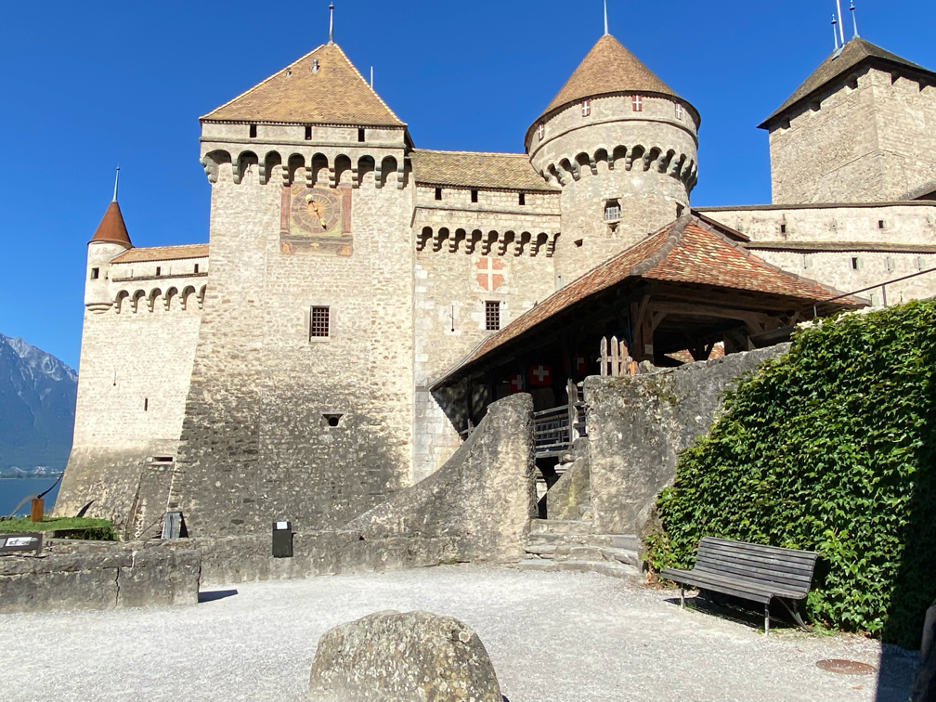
(20, 543)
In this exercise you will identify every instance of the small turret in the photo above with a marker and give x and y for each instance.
(623, 146)
(109, 241)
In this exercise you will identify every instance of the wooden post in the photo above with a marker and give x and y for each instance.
(37, 509)
(615, 358)
(572, 392)
(604, 357)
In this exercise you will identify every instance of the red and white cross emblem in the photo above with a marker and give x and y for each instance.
(488, 276)
(516, 384)
(540, 375)
(637, 102)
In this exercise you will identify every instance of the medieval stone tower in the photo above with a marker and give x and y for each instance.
(301, 398)
(861, 128)
(623, 147)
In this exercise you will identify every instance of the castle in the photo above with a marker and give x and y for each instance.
(284, 369)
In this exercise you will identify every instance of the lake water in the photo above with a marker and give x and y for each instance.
(14, 490)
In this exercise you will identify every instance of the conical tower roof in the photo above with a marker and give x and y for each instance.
(112, 229)
(323, 87)
(850, 57)
(608, 68)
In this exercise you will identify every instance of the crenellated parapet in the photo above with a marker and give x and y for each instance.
(286, 165)
(498, 243)
(562, 170)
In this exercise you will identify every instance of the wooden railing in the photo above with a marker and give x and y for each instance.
(556, 429)
(616, 360)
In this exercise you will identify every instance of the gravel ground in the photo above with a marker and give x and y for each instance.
(553, 637)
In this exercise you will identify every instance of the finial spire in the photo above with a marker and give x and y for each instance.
(854, 20)
(606, 17)
(116, 183)
(834, 32)
(838, 4)
(331, 23)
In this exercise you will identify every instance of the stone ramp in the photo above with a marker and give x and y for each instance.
(566, 545)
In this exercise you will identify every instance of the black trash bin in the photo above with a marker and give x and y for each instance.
(282, 540)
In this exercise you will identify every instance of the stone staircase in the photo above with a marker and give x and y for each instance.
(566, 545)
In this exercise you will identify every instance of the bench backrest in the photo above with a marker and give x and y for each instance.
(786, 569)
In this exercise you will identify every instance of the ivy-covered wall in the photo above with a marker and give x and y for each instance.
(832, 448)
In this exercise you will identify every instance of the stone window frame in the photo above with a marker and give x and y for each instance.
(492, 315)
(308, 307)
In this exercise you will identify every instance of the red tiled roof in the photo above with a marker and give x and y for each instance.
(686, 251)
(112, 229)
(321, 87)
(162, 253)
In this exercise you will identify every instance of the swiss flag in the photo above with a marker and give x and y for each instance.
(540, 375)
(516, 384)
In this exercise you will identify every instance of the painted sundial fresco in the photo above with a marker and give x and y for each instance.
(316, 220)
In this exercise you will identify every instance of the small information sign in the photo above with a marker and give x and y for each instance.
(20, 543)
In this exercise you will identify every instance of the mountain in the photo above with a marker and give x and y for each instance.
(37, 408)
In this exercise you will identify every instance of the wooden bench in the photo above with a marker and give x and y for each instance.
(751, 572)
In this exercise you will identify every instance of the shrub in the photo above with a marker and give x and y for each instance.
(831, 448)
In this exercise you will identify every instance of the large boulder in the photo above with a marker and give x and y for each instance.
(393, 657)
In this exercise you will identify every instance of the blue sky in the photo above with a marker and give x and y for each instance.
(88, 85)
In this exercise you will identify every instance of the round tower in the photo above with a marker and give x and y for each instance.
(622, 145)
(109, 241)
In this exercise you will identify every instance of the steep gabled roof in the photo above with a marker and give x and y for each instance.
(162, 253)
(335, 93)
(608, 68)
(112, 229)
(686, 251)
(856, 53)
(474, 169)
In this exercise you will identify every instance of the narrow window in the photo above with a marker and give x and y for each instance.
(308, 133)
(880, 224)
(889, 261)
(855, 263)
(612, 210)
(158, 271)
(474, 195)
(679, 210)
(783, 229)
(637, 103)
(678, 111)
(361, 134)
(95, 273)
(253, 131)
(491, 315)
(318, 327)
(586, 108)
(146, 404)
(315, 65)
(196, 268)
(541, 131)
(438, 194)
(522, 198)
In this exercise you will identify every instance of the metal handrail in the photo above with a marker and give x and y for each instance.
(883, 287)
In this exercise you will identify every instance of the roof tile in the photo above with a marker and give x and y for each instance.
(162, 253)
(475, 169)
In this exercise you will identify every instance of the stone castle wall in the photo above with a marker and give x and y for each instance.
(466, 255)
(256, 443)
(135, 369)
(848, 247)
(867, 138)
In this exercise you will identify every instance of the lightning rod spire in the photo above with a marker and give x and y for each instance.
(116, 182)
(331, 23)
(834, 32)
(854, 19)
(606, 17)
(841, 28)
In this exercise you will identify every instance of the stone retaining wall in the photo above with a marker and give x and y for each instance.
(115, 576)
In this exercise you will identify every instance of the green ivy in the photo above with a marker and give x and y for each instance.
(830, 448)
